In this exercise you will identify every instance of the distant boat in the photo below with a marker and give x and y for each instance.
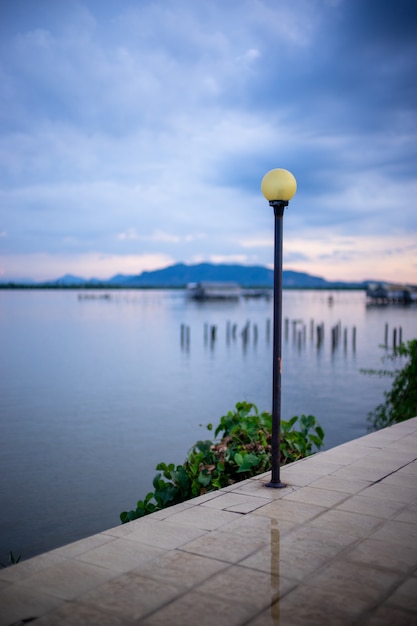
(384, 293)
(214, 291)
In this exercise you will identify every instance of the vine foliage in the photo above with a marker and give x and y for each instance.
(241, 449)
(401, 400)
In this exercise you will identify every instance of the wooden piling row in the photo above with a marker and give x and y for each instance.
(396, 334)
(339, 334)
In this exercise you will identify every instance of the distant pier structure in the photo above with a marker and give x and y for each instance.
(385, 293)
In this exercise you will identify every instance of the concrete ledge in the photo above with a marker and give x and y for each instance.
(338, 545)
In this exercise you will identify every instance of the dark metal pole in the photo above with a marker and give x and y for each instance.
(278, 206)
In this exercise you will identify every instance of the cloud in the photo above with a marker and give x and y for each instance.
(146, 128)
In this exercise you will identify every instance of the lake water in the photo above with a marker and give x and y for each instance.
(96, 391)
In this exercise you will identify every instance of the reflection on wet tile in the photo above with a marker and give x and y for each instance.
(292, 564)
(284, 509)
(302, 607)
(255, 528)
(253, 588)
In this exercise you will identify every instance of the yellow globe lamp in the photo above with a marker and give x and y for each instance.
(279, 184)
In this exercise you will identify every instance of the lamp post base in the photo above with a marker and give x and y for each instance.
(274, 484)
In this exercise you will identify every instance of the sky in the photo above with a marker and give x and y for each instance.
(134, 134)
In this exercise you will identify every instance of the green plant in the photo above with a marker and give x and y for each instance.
(401, 400)
(12, 560)
(242, 448)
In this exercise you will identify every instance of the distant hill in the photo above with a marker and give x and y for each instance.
(179, 275)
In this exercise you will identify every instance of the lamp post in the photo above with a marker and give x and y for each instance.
(278, 186)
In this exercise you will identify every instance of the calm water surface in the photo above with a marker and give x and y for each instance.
(96, 391)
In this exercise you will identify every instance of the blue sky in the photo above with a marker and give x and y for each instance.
(135, 134)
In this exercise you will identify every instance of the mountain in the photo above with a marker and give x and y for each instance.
(66, 281)
(179, 275)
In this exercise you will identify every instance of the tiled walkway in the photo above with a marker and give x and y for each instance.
(337, 546)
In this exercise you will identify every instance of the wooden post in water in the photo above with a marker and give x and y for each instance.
(394, 339)
(268, 330)
(386, 336)
(354, 338)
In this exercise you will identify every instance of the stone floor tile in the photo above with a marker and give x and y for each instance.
(408, 514)
(295, 565)
(257, 488)
(235, 502)
(365, 584)
(352, 486)
(196, 609)
(402, 477)
(241, 585)
(162, 534)
(203, 518)
(223, 546)
(315, 495)
(298, 477)
(257, 528)
(390, 616)
(301, 607)
(68, 579)
(121, 555)
(18, 603)
(398, 532)
(75, 614)
(392, 556)
(83, 545)
(366, 504)
(353, 524)
(23, 569)
(129, 597)
(368, 473)
(317, 540)
(296, 512)
(405, 597)
(397, 493)
(348, 453)
(182, 569)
